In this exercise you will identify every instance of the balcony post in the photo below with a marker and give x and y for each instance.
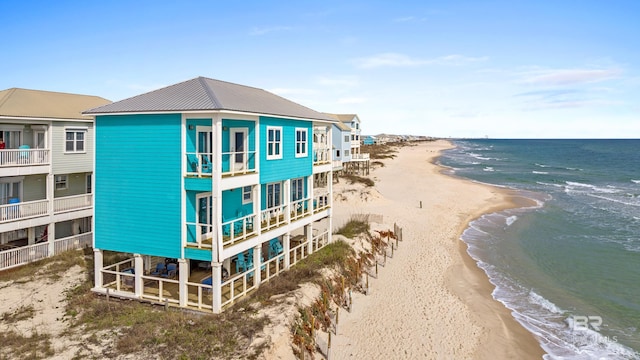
(97, 268)
(51, 238)
(138, 266)
(183, 278)
(308, 233)
(216, 280)
(286, 246)
(257, 264)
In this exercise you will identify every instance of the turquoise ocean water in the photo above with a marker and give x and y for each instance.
(569, 267)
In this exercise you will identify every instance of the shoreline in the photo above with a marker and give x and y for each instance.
(446, 308)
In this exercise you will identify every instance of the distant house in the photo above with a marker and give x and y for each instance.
(370, 140)
(341, 138)
(212, 188)
(46, 174)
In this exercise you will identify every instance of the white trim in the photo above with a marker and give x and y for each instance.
(278, 155)
(305, 152)
(250, 199)
(232, 147)
(214, 113)
(66, 182)
(75, 130)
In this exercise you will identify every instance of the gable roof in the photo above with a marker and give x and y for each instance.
(209, 94)
(340, 124)
(346, 118)
(16, 102)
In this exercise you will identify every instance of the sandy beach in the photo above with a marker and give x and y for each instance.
(430, 301)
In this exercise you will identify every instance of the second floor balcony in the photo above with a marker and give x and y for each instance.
(31, 209)
(233, 163)
(24, 157)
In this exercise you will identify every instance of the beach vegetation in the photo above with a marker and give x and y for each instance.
(355, 226)
(18, 346)
(358, 179)
(24, 312)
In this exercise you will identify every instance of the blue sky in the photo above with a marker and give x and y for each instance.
(518, 69)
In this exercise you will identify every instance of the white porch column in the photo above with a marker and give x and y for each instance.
(216, 280)
(51, 238)
(286, 201)
(183, 278)
(257, 220)
(308, 233)
(97, 267)
(257, 263)
(31, 235)
(227, 265)
(138, 270)
(286, 246)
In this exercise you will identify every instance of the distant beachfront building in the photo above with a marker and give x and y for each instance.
(347, 145)
(369, 140)
(46, 174)
(211, 188)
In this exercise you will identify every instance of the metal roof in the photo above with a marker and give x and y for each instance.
(202, 94)
(16, 102)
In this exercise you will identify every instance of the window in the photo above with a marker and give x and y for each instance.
(9, 190)
(89, 185)
(301, 142)
(74, 140)
(61, 182)
(297, 189)
(337, 153)
(346, 153)
(274, 143)
(273, 195)
(247, 194)
(346, 138)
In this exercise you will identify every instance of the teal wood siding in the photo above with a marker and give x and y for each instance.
(289, 166)
(197, 254)
(232, 205)
(198, 184)
(191, 133)
(137, 184)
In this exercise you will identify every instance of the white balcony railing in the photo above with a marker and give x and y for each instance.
(240, 162)
(200, 164)
(321, 155)
(74, 202)
(30, 253)
(363, 156)
(31, 209)
(24, 157)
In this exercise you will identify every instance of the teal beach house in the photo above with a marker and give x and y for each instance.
(207, 189)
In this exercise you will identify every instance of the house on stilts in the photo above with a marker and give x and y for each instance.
(207, 189)
(46, 174)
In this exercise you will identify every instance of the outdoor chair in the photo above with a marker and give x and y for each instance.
(243, 264)
(193, 162)
(172, 271)
(275, 248)
(160, 269)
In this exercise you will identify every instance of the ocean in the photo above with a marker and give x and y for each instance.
(568, 267)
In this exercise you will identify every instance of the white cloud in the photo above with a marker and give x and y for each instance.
(570, 76)
(402, 60)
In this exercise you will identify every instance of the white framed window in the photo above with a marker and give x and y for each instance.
(74, 140)
(301, 142)
(346, 138)
(346, 153)
(10, 188)
(61, 182)
(273, 194)
(274, 142)
(297, 189)
(247, 195)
